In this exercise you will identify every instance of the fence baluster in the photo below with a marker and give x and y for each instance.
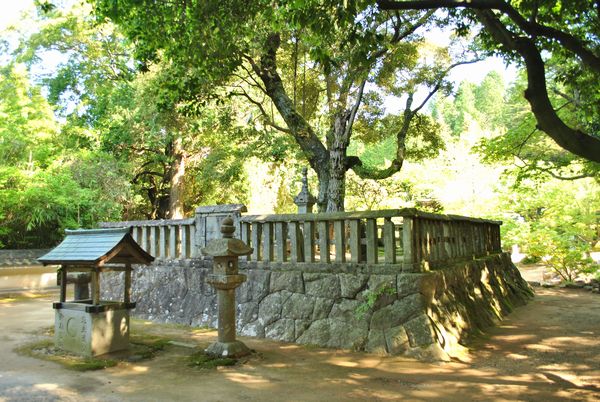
(267, 241)
(323, 228)
(372, 250)
(295, 234)
(339, 237)
(256, 238)
(280, 242)
(389, 241)
(309, 242)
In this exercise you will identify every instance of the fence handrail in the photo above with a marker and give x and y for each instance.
(384, 213)
(157, 222)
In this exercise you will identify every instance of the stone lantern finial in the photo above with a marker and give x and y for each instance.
(227, 228)
(305, 200)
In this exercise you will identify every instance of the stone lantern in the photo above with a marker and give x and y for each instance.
(304, 200)
(225, 279)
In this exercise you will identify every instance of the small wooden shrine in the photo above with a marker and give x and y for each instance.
(93, 327)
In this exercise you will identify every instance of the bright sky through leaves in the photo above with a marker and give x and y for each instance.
(12, 9)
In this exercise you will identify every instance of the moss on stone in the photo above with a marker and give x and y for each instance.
(202, 360)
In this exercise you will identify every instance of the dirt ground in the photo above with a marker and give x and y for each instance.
(548, 350)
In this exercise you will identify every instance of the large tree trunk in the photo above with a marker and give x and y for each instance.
(337, 144)
(323, 177)
(176, 188)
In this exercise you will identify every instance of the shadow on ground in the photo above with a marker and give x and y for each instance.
(547, 350)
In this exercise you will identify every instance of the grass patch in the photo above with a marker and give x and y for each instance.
(45, 350)
(7, 300)
(142, 347)
(202, 360)
(311, 346)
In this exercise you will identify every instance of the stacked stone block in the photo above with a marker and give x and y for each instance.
(426, 315)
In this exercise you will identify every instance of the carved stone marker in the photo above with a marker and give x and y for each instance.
(225, 279)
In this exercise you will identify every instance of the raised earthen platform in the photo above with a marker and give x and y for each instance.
(426, 315)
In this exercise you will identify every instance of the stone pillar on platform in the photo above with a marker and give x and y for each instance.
(225, 279)
(305, 200)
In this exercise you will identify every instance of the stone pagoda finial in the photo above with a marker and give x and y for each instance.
(227, 228)
(305, 200)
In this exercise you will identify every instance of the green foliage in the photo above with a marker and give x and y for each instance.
(536, 156)
(71, 193)
(480, 104)
(27, 126)
(371, 297)
(423, 143)
(319, 54)
(44, 190)
(45, 350)
(556, 224)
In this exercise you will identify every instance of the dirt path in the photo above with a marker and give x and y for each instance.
(547, 350)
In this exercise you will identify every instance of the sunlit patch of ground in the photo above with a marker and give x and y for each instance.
(548, 350)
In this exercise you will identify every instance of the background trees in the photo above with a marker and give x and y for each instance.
(43, 187)
(321, 65)
(568, 31)
(132, 124)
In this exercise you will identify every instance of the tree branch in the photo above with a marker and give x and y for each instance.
(354, 110)
(262, 111)
(146, 173)
(550, 171)
(305, 137)
(575, 141)
(398, 35)
(530, 27)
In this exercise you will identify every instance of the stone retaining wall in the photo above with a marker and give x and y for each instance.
(424, 315)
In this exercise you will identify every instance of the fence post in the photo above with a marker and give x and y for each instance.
(339, 237)
(280, 242)
(152, 240)
(389, 241)
(162, 242)
(323, 229)
(355, 246)
(296, 249)
(309, 241)
(411, 262)
(371, 234)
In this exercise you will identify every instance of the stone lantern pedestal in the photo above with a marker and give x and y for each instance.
(225, 279)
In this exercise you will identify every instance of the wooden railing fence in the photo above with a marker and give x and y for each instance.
(417, 240)
(409, 239)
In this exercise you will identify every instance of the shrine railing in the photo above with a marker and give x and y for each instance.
(180, 238)
(164, 239)
(411, 239)
(402, 239)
